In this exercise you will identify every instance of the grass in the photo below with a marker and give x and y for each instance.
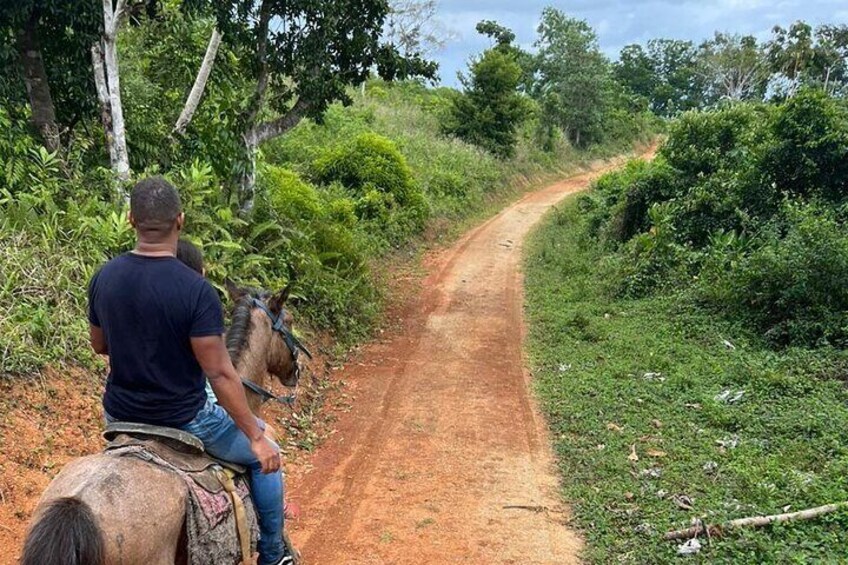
(616, 376)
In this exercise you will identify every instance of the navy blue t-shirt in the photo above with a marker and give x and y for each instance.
(149, 309)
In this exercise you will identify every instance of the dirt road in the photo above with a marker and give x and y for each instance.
(443, 457)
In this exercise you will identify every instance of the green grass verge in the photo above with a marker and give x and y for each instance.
(782, 444)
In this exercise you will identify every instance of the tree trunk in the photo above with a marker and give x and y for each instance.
(259, 134)
(199, 83)
(103, 99)
(38, 88)
(111, 19)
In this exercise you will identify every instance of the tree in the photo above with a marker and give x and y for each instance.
(790, 53)
(487, 114)
(502, 40)
(304, 56)
(193, 100)
(830, 57)
(679, 86)
(48, 63)
(414, 26)
(104, 56)
(573, 76)
(733, 67)
(635, 71)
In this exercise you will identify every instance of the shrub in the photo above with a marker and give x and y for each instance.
(790, 287)
(376, 173)
(290, 197)
(654, 261)
(809, 154)
(702, 143)
(626, 196)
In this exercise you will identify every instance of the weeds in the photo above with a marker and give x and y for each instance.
(661, 414)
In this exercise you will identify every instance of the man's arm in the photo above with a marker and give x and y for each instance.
(211, 353)
(97, 339)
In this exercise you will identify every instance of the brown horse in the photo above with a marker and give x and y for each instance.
(116, 510)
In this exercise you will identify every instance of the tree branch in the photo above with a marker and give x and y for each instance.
(199, 86)
(262, 59)
(755, 521)
(269, 130)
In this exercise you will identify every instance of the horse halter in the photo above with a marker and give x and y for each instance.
(278, 325)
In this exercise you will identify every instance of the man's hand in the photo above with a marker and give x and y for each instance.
(268, 456)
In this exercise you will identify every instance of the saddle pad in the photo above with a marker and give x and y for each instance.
(210, 518)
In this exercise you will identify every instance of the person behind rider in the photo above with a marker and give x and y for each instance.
(162, 325)
(192, 257)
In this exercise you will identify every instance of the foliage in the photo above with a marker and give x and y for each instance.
(665, 73)
(66, 31)
(733, 68)
(711, 215)
(378, 177)
(573, 77)
(617, 375)
(790, 285)
(488, 113)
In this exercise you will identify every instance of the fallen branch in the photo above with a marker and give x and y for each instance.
(754, 522)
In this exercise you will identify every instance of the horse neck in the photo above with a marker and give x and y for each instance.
(252, 362)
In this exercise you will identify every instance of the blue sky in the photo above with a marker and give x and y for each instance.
(620, 22)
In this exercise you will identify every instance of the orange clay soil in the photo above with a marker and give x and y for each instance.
(443, 457)
(438, 452)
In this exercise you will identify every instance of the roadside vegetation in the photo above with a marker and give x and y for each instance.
(688, 332)
(297, 164)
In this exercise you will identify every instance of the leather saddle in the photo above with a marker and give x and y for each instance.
(182, 449)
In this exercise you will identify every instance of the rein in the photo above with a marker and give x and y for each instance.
(278, 325)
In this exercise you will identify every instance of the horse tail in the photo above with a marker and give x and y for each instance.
(65, 533)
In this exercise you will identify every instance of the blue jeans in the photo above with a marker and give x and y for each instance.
(222, 439)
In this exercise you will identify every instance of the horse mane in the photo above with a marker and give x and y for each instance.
(238, 334)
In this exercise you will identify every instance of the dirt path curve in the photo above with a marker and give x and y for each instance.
(443, 457)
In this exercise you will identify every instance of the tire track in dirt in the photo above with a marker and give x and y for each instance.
(443, 456)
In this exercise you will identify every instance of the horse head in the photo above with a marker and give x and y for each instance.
(260, 339)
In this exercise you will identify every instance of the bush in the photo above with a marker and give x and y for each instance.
(625, 197)
(376, 173)
(809, 153)
(290, 198)
(791, 287)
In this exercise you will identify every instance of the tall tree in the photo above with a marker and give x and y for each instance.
(830, 57)
(489, 110)
(414, 26)
(635, 71)
(790, 53)
(305, 55)
(108, 82)
(45, 62)
(733, 67)
(573, 76)
(199, 85)
(679, 86)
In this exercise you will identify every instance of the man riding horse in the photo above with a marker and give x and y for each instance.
(162, 325)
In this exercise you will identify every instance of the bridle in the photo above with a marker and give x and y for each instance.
(279, 326)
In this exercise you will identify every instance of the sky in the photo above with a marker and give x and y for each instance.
(621, 22)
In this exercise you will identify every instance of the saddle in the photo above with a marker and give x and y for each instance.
(214, 487)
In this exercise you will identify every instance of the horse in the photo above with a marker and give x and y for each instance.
(120, 510)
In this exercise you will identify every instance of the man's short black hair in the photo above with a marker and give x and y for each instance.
(190, 254)
(155, 206)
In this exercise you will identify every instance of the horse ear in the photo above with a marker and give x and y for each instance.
(278, 300)
(234, 291)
